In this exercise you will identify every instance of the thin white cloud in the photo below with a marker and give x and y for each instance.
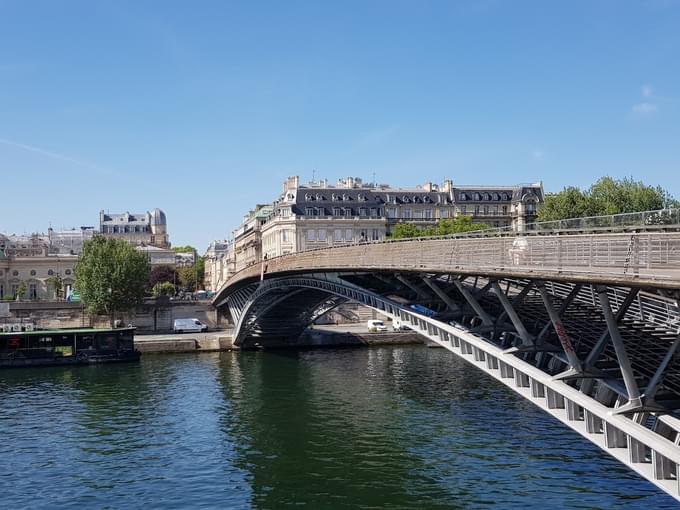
(55, 156)
(645, 109)
(647, 91)
(537, 154)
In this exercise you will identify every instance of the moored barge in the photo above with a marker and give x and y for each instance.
(67, 347)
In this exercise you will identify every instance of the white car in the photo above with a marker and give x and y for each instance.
(374, 326)
(189, 325)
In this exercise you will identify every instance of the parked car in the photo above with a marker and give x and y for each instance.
(189, 325)
(398, 325)
(374, 326)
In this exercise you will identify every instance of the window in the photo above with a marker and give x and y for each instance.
(337, 211)
(2, 291)
(407, 214)
(494, 210)
(311, 235)
(15, 273)
(463, 197)
(391, 212)
(309, 211)
(285, 212)
(15, 290)
(348, 211)
(284, 236)
(428, 214)
(322, 235)
(348, 234)
(374, 212)
(478, 196)
(375, 234)
(363, 212)
(337, 235)
(443, 213)
(486, 210)
(32, 291)
(68, 271)
(32, 272)
(418, 215)
(505, 209)
(476, 210)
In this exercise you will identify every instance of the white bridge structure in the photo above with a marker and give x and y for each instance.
(580, 317)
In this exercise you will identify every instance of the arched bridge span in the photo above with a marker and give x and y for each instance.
(584, 326)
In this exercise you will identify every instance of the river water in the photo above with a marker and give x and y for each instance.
(381, 427)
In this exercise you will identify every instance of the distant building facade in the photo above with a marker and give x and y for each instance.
(69, 242)
(220, 263)
(320, 214)
(147, 229)
(26, 261)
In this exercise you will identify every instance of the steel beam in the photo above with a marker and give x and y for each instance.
(563, 308)
(602, 341)
(655, 382)
(413, 287)
(565, 341)
(634, 400)
(442, 295)
(481, 313)
(527, 339)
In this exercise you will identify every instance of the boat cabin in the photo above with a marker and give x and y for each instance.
(66, 347)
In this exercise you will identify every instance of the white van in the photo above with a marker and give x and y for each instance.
(189, 325)
(374, 326)
(398, 325)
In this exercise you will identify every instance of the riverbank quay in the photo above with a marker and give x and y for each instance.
(318, 336)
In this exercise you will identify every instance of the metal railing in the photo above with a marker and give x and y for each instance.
(651, 254)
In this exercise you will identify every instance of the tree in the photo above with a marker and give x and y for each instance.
(21, 291)
(605, 197)
(443, 228)
(57, 285)
(163, 289)
(160, 274)
(111, 276)
(187, 278)
(199, 264)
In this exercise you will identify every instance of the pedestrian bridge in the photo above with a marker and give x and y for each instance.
(583, 322)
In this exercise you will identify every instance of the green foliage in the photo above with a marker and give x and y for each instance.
(111, 276)
(21, 291)
(57, 285)
(199, 266)
(443, 228)
(163, 289)
(606, 196)
(187, 278)
(160, 274)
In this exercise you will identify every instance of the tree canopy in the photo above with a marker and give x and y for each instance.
(111, 276)
(443, 227)
(161, 274)
(604, 197)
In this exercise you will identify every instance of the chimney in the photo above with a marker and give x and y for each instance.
(447, 186)
(427, 186)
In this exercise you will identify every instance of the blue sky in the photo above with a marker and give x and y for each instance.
(203, 108)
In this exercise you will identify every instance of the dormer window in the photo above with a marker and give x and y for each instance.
(345, 197)
(318, 196)
(478, 196)
(334, 197)
(405, 199)
(308, 197)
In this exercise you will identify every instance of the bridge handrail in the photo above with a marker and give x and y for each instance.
(659, 219)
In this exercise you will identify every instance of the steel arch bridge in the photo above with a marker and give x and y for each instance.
(585, 325)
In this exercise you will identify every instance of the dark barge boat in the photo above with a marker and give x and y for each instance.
(67, 347)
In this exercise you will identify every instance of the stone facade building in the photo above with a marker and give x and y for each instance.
(26, 261)
(148, 229)
(320, 214)
(220, 263)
